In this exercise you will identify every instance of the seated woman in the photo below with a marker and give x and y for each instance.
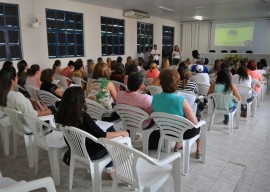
(153, 72)
(33, 78)
(242, 78)
(78, 70)
(22, 69)
(99, 88)
(171, 103)
(165, 64)
(47, 85)
(57, 67)
(185, 83)
(16, 100)
(73, 98)
(225, 85)
(254, 73)
(118, 73)
(131, 69)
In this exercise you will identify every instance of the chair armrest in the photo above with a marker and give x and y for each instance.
(200, 97)
(123, 140)
(167, 160)
(200, 124)
(31, 185)
(49, 118)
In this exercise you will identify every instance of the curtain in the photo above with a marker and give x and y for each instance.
(195, 36)
(267, 38)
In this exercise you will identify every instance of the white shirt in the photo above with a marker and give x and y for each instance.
(155, 53)
(201, 78)
(176, 55)
(243, 82)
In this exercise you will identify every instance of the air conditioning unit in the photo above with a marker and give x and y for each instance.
(136, 14)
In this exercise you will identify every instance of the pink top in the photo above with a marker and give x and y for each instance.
(33, 81)
(257, 76)
(152, 74)
(136, 99)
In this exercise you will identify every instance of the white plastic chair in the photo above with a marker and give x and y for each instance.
(259, 96)
(219, 102)
(18, 129)
(63, 80)
(148, 81)
(76, 140)
(10, 185)
(96, 110)
(133, 118)
(78, 81)
(154, 89)
(118, 85)
(141, 171)
(172, 128)
(246, 93)
(190, 97)
(17, 88)
(5, 129)
(32, 91)
(48, 98)
(53, 142)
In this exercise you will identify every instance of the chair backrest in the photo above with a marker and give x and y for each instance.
(32, 91)
(95, 110)
(154, 89)
(63, 80)
(245, 92)
(224, 51)
(48, 98)
(222, 101)
(119, 86)
(15, 120)
(77, 80)
(203, 89)
(17, 88)
(76, 140)
(171, 126)
(148, 81)
(37, 126)
(126, 161)
(132, 117)
(256, 83)
(190, 97)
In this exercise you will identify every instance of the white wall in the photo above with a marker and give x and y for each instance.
(34, 40)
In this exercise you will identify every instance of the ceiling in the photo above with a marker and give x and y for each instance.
(186, 9)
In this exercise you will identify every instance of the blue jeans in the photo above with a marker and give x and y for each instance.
(226, 117)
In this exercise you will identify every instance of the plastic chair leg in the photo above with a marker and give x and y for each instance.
(54, 163)
(159, 146)
(176, 172)
(29, 142)
(211, 121)
(186, 156)
(71, 172)
(115, 184)
(5, 139)
(230, 124)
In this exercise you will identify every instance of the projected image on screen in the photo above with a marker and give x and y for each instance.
(234, 34)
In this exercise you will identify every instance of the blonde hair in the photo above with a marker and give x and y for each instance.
(153, 66)
(165, 64)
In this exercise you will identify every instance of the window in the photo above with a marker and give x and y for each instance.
(112, 36)
(144, 36)
(10, 43)
(167, 38)
(64, 33)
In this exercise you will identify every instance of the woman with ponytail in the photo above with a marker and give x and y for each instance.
(185, 83)
(33, 76)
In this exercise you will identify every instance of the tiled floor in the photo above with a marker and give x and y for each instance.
(238, 162)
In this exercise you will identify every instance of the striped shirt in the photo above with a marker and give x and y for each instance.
(191, 86)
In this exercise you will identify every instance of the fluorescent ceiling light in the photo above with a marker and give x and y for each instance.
(167, 9)
(198, 17)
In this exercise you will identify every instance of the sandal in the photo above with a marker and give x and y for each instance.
(177, 147)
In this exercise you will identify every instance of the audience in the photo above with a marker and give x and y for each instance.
(7, 64)
(78, 70)
(169, 102)
(225, 85)
(185, 83)
(57, 67)
(47, 85)
(118, 73)
(73, 98)
(67, 71)
(22, 75)
(16, 100)
(33, 76)
(200, 76)
(254, 73)
(153, 72)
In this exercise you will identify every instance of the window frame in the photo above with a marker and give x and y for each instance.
(61, 25)
(6, 28)
(112, 36)
(143, 36)
(167, 36)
